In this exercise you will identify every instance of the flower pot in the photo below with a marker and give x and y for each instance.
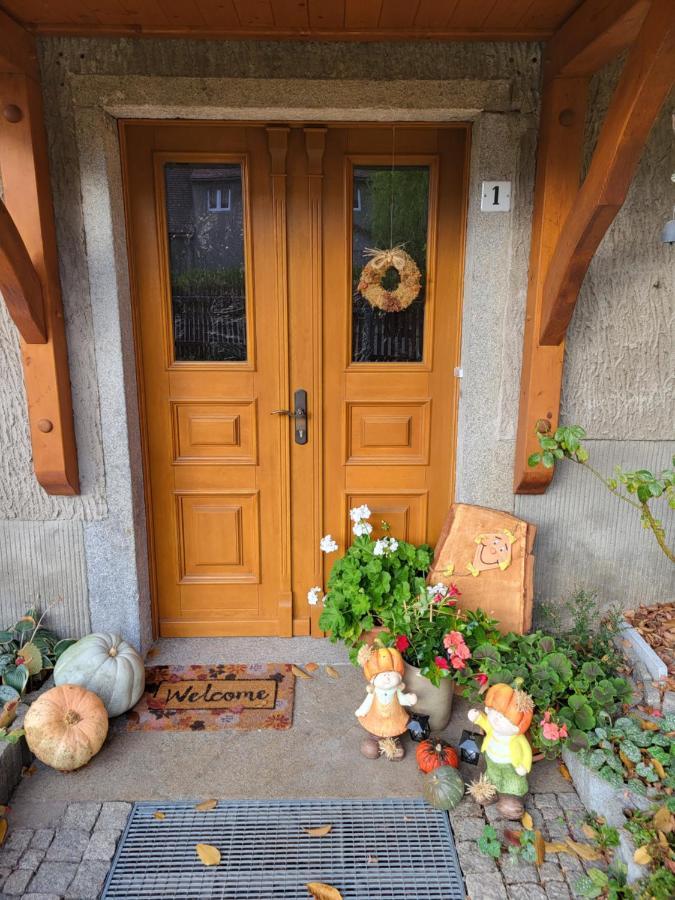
(370, 636)
(432, 701)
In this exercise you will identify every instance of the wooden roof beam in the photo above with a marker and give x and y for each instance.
(17, 48)
(647, 79)
(597, 32)
(20, 283)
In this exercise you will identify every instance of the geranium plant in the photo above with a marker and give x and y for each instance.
(28, 652)
(435, 635)
(369, 581)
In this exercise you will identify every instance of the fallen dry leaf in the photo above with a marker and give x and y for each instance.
(323, 891)
(512, 837)
(312, 667)
(539, 847)
(373, 861)
(584, 851)
(646, 725)
(663, 840)
(299, 673)
(208, 854)
(332, 672)
(153, 651)
(556, 847)
(590, 833)
(28, 771)
(664, 820)
(564, 771)
(660, 771)
(206, 805)
(642, 856)
(159, 815)
(526, 821)
(319, 831)
(3, 831)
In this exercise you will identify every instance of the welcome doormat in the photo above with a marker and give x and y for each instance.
(212, 698)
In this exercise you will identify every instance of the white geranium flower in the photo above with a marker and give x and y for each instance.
(380, 547)
(440, 588)
(359, 512)
(328, 545)
(393, 545)
(314, 595)
(362, 528)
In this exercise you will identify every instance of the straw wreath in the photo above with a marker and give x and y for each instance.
(370, 284)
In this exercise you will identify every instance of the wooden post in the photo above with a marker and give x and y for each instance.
(19, 282)
(561, 136)
(27, 195)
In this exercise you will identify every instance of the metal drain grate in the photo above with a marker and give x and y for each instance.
(377, 850)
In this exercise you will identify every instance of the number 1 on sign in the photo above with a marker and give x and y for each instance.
(495, 196)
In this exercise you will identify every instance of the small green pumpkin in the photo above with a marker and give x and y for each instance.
(443, 787)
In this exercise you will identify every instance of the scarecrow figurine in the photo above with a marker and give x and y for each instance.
(382, 713)
(508, 754)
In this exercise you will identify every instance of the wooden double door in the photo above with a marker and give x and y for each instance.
(246, 246)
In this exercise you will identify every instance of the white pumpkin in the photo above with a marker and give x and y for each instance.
(106, 665)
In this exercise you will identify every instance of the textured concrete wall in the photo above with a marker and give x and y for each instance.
(88, 83)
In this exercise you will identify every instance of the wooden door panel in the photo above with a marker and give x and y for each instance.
(390, 396)
(202, 249)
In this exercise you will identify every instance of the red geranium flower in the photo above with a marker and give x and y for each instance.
(401, 643)
(454, 591)
(481, 678)
(441, 662)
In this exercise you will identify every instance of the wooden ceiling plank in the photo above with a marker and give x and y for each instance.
(362, 14)
(398, 14)
(559, 155)
(507, 16)
(32, 11)
(326, 15)
(109, 12)
(549, 16)
(183, 14)
(470, 14)
(435, 13)
(143, 15)
(291, 14)
(255, 14)
(647, 78)
(27, 195)
(19, 282)
(597, 32)
(17, 48)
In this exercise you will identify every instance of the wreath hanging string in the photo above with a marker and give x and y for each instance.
(370, 283)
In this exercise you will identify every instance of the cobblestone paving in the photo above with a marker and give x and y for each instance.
(71, 861)
(556, 815)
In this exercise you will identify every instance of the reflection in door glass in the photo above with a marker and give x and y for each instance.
(390, 208)
(205, 221)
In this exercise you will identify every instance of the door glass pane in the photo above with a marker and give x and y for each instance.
(390, 208)
(205, 219)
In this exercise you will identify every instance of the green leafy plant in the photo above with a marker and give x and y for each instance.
(637, 488)
(604, 836)
(370, 581)
(610, 884)
(489, 843)
(632, 752)
(28, 652)
(569, 691)
(653, 832)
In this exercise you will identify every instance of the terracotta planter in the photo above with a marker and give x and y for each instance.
(432, 701)
(369, 636)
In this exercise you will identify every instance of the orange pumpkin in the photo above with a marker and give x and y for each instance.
(66, 726)
(383, 659)
(434, 753)
(515, 705)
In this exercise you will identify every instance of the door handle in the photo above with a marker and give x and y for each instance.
(299, 413)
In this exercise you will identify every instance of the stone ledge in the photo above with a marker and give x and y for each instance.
(13, 757)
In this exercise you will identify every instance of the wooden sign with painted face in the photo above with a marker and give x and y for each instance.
(487, 554)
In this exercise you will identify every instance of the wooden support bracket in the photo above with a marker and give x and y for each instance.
(27, 195)
(19, 282)
(646, 80)
(561, 138)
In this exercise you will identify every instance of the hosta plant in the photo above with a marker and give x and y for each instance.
(633, 752)
(28, 652)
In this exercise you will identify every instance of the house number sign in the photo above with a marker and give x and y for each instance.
(495, 196)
